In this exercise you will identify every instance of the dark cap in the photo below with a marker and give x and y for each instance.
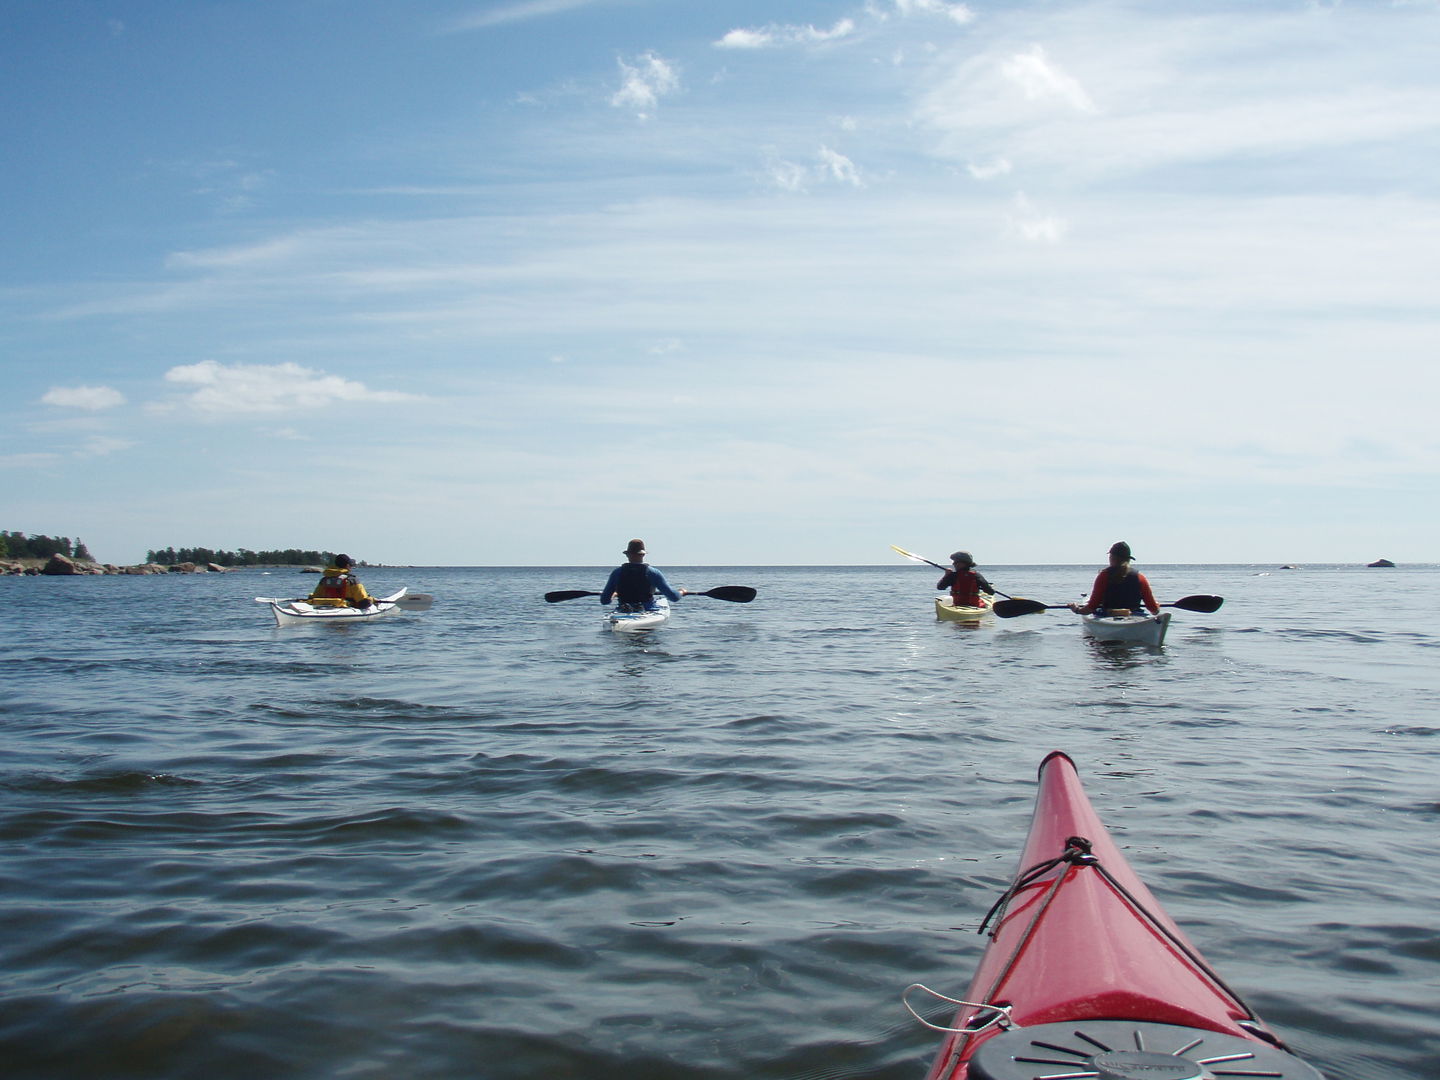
(343, 562)
(635, 547)
(1121, 549)
(963, 557)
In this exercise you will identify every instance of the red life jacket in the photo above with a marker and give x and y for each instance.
(965, 589)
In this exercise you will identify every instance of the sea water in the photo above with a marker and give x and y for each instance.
(493, 840)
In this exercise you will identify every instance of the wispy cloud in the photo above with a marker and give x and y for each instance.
(102, 446)
(989, 170)
(1031, 224)
(91, 398)
(212, 387)
(644, 83)
(777, 36)
(830, 166)
(513, 13)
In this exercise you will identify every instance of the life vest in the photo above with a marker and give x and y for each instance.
(633, 589)
(330, 587)
(965, 589)
(1123, 591)
(338, 589)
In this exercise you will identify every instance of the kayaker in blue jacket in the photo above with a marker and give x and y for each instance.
(635, 584)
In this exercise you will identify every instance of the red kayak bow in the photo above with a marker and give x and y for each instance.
(1086, 976)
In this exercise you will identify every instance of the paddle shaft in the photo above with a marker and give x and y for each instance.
(1010, 608)
(736, 594)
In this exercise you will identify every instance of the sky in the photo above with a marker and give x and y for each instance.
(511, 282)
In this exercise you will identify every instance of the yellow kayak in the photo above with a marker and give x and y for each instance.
(948, 611)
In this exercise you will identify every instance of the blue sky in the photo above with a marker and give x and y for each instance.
(511, 282)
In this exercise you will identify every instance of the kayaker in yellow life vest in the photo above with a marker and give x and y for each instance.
(339, 588)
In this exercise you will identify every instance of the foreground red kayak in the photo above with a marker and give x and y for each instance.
(1086, 976)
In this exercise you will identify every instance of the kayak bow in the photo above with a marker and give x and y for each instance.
(1086, 976)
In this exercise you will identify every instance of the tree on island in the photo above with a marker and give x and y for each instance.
(19, 546)
(244, 557)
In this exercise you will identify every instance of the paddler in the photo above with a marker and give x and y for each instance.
(339, 587)
(964, 581)
(635, 584)
(1119, 589)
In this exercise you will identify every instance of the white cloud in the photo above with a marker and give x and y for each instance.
(989, 170)
(1041, 78)
(269, 388)
(93, 398)
(788, 176)
(774, 36)
(839, 167)
(644, 84)
(957, 13)
(1032, 225)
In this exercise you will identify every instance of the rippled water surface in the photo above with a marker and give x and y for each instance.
(491, 840)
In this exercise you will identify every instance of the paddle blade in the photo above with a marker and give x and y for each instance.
(1008, 609)
(736, 594)
(567, 594)
(917, 558)
(415, 602)
(1198, 603)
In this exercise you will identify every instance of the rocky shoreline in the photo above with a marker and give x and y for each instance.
(63, 566)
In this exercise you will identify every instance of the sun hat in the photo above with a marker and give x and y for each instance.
(963, 557)
(635, 547)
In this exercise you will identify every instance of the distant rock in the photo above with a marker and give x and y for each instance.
(1289, 566)
(60, 566)
(1381, 562)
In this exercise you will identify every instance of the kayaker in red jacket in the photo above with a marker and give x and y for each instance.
(964, 581)
(1119, 587)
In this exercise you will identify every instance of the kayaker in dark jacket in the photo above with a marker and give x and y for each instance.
(964, 581)
(1119, 587)
(635, 584)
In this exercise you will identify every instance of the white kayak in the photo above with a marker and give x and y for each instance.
(298, 611)
(1141, 629)
(629, 621)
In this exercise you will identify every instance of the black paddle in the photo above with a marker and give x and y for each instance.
(736, 594)
(408, 602)
(1008, 609)
(936, 565)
